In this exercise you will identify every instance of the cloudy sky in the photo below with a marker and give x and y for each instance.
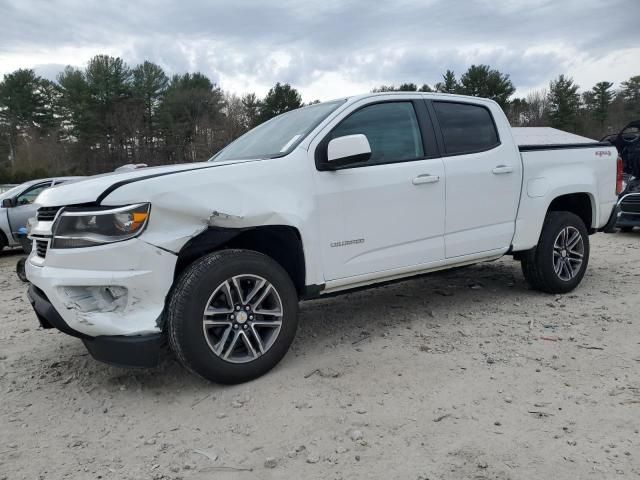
(330, 48)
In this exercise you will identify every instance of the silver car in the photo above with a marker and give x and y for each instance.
(17, 207)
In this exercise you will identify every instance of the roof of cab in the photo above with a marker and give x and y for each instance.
(434, 95)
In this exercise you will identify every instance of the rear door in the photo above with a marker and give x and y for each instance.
(483, 179)
(388, 212)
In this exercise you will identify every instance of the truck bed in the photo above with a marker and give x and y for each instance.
(547, 138)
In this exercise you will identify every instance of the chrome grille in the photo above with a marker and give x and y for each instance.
(41, 248)
(630, 204)
(47, 214)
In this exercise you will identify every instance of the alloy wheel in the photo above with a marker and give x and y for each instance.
(242, 318)
(568, 253)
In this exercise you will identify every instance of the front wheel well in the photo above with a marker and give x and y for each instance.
(577, 203)
(4, 242)
(280, 242)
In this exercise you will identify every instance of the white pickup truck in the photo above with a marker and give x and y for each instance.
(215, 256)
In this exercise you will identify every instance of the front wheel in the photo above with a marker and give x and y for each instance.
(232, 316)
(559, 261)
(20, 270)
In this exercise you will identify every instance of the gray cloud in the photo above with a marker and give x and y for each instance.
(49, 71)
(363, 41)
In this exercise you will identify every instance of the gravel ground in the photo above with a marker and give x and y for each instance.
(463, 374)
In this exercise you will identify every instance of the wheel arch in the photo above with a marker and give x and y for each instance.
(4, 241)
(282, 243)
(581, 204)
(534, 209)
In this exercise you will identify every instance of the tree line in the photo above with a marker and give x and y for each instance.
(108, 114)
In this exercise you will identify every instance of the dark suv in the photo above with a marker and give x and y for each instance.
(628, 144)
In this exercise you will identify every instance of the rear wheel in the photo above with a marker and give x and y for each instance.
(232, 316)
(626, 229)
(559, 261)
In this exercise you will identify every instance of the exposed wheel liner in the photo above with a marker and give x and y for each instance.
(537, 263)
(191, 294)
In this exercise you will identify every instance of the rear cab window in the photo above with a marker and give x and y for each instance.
(466, 128)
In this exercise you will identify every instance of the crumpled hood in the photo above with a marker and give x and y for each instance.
(95, 188)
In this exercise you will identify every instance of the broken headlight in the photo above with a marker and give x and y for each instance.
(90, 227)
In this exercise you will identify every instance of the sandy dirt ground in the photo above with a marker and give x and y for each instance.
(459, 375)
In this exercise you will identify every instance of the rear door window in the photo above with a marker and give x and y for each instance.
(466, 128)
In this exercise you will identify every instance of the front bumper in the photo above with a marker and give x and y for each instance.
(110, 296)
(137, 351)
(629, 210)
(115, 289)
(627, 220)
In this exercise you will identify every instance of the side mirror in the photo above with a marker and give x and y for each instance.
(349, 149)
(7, 203)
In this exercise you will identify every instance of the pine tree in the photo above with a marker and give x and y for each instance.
(564, 102)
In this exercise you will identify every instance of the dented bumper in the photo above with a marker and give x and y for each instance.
(109, 290)
(140, 351)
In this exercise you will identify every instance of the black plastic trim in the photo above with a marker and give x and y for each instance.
(430, 144)
(562, 146)
(312, 291)
(133, 352)
(610, 227)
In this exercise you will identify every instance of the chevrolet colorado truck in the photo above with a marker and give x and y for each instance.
(214, 256)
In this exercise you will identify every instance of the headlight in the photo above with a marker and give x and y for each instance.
(86, 228)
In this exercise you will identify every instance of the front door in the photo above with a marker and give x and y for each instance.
(388, 212)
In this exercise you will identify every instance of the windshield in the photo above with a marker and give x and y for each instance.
(278, 136)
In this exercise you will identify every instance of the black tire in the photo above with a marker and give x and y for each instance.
(3, 240)
(626, 229)
(20, 271)
(191, 295)
(537, 263)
